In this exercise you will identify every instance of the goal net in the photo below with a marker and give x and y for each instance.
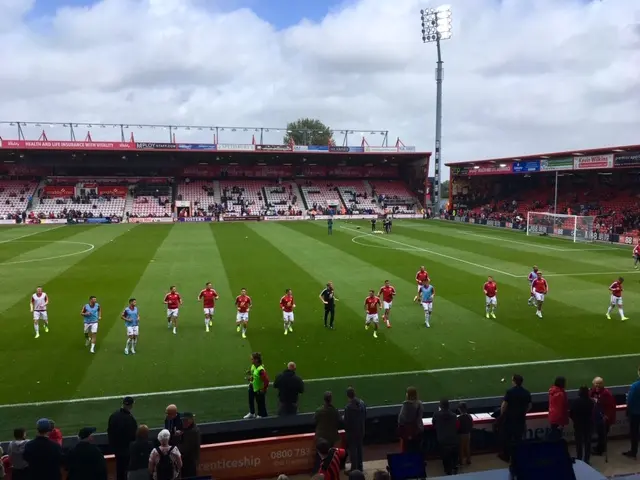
(573, 227)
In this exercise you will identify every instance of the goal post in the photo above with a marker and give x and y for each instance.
(573, 227)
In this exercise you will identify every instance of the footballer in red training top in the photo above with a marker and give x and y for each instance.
(490, 289)
(636, 256)
(287, 304)
(208, 297)
(421, 277)
(243, 305)
(172, 300)
(616, 299)
(539, 288)
(371, 305)
(387, 292)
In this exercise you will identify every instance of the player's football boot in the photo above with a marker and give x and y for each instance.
(366, 327)
(286, 331)
(207, 329)
(37, 334)
(608, 316)
(375, 334)
(244, 335)
(290, 328)
(126, 351)
(624, 319)
(493, 315)
(46, 329)
(238, 329)
(486, 314)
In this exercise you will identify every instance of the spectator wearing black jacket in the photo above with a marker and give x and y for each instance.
(139, 453)
(190, 440)
(290, 386)
(355, 414)
(581, 414)
(173, 423)
(85, 460)
(445, 422)
(43, 456)
(121, 432)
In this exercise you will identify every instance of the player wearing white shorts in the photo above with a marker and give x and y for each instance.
(287, 304)
(490, 290)
(616, 299)
(209, 297)
(243, 305)
(172, 300)
(131, 317)
(387, 292)
(92, 314)
(539, 288)
(38, 307)
(636, 256)
(532, 276)
(371, 305)
(427, 294)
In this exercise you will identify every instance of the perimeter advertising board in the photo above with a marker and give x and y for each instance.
(593, 162)
(631, 159)
(557, 164)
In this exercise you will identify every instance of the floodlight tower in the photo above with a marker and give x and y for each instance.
(436, 26)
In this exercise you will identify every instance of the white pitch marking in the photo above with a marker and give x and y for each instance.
(420, 249)
(31, 234)
(586, 274)
(328, 379)
(56, 257)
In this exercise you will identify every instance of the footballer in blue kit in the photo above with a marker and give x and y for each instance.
(426, 294)
(131, 318)
(92, 313)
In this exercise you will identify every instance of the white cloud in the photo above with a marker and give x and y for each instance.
(521, 76)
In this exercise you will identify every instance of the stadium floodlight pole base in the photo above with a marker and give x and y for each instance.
(573, 227)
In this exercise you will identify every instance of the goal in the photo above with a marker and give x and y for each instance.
(573, 227)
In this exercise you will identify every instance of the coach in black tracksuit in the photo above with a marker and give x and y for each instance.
(328, 298)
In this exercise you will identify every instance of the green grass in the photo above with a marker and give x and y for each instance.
(121, 261)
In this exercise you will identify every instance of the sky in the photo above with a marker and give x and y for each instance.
(521, 76)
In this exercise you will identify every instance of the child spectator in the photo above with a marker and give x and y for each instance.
(55, 435)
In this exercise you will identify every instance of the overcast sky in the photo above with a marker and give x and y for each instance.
(521, 76)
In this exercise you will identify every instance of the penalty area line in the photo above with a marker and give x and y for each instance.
(328, 379)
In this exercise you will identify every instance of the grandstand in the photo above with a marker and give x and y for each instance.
(15, 197)
(242, 197)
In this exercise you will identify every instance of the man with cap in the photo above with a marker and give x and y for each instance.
(43, 456)
(189, 446)
(85, 460)
(121, 432)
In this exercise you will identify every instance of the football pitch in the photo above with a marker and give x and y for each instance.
(462, 355)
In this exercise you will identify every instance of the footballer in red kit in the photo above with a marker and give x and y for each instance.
(287, 304)
(208, 296)
(387, 292)
(371, 305)
(172, 300)
(421, 277)
(243, 305)
(636, 256)
(490, 289)
(616, 299)
(539, 288)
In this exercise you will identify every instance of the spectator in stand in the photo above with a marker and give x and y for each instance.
(410, 424)
(55, 435)
(19, 468)
(465, 426)
(173, 423)
(139, 453)
(289, 386)
(121, 432)
(190, 446)
(85, 460)
(445, 423)
(558, 408)
(327, 419)
(514, 408)
(165, 461)
(43, 456)
(355, 414)
(582, 417)
(633, 412)
(604, 413)
(332, 460)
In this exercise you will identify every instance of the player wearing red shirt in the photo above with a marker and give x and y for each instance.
(387, 292)
(371, 305)
(172, 300)
(287, 304)
(539, 288)
(208, 297)
(421, 277)
(616, 299)
(243, 305)
(636, 256)
(490, 289)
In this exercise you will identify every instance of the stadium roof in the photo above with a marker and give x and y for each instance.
(549, 156)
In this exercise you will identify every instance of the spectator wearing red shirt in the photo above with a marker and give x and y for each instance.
(604, 412)
(558, 408)
(332, 460)
(55, 435)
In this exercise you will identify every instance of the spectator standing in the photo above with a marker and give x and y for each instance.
(258, 384)
(513, 410)
(332, 460)
(355, 415)
(139, 453)
(633, 412)
(290, 386)
(465, 426)
(43, 456)
(85, 460)
(190, 446)
(19, 467)
(55, 435)
(445, 423)
(327, 419)
(121, 431)
(604, 413)
(173, 423)
(582, 416)
(558, 408)
(165, 461)
(410, 424)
